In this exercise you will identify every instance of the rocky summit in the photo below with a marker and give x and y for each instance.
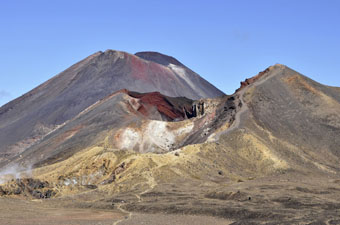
(143, 139)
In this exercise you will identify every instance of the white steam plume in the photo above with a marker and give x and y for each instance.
(14, 172)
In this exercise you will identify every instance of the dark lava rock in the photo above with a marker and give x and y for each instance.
(49, 194)
(36, 184)
(111, 179)
(27, 187)
(91, 186)
(2, 192)
(37, 194)
(17, 191)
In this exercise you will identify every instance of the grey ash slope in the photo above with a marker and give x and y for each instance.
(194, 83)
(28, 118)
(101, 124)
(295, 118)
(80, 132)
(159, 58)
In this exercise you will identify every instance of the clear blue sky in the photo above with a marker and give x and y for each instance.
(224, 41)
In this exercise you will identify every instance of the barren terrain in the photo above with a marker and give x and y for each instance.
(268, 154)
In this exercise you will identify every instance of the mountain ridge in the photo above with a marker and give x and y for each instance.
(267, 153)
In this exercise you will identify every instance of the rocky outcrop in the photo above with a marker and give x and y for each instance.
(27, 187)
(198, 109)
(114, 175)
(252, 80)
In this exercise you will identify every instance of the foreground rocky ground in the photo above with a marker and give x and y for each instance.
(284, 199)
(16, 211)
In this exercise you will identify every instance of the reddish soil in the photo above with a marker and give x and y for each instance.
(251, 80)
(168, 107)
(173, 108)
(139, 68)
